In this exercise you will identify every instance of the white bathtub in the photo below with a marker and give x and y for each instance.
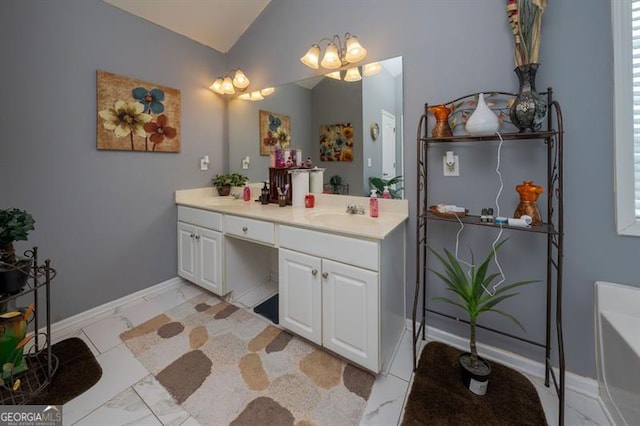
(617, 325)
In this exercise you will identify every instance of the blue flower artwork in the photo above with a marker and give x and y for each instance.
(150, 99)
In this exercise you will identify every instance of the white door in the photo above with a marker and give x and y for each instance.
(300, 294)
(187, 251)
(210, 260)
(388, 145)
(350, 313)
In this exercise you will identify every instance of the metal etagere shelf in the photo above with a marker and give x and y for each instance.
(552, 228)
(21, 388)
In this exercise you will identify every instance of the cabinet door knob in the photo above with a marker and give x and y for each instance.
(325, 274)
(192, 235)
(314, 272)
(245, 229)
(197, 237)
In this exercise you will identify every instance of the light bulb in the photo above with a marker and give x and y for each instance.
(217, 86)
(354, 51)
(240, 80)
(256, 96)
(353, 75)
(335, 75)
(372, 68)
(310, 59)
(227, 86)
(331, 59)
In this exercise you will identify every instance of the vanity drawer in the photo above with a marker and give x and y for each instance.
(198, 217)
(251, 229)
(348, 250)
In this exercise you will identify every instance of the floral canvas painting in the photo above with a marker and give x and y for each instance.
(275, 131)
(336, 142)
(135, 115)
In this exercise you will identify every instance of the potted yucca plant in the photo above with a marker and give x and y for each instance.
(15, 225)
(472, 298)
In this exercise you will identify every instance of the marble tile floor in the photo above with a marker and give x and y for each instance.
(128, 395)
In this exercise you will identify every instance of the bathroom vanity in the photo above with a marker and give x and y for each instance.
(340, 276)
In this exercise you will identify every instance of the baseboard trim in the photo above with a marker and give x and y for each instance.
(73, 323)
(575, 382)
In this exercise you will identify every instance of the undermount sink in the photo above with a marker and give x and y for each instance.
(341, 219)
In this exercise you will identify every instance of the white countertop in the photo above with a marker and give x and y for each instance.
(329, 213)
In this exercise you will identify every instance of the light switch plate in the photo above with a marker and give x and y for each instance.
(245, 163)
(204, 164)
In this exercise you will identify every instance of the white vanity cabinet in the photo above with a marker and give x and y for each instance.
(330, 293)
(200, 248)
(331, 304)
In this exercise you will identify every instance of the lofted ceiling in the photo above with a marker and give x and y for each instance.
(214, 23)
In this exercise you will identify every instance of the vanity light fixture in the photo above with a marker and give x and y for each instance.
(372, 69)
(353, 74)
(335, 75)
(336, 54)
(226, 85)
(257, 95)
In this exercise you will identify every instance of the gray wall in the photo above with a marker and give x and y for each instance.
(453, 48)
(335, 102)
(378, 93)
(244, 128)
(106, 219)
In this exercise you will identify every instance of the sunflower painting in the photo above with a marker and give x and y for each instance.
(275, 131)
(135, 115)
(336, 142)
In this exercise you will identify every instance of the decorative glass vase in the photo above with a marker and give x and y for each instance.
(529, 193)
(529, 108)
(441, 128)
(483, 121)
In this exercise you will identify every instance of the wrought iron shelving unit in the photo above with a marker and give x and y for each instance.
(21, 388)
(552, 228)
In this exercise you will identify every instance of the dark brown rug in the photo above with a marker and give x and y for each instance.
(438, 396)
(77, 371)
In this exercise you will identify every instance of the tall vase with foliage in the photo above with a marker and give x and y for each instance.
(525, 16)
(472, 297)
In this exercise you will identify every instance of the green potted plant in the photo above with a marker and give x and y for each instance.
(474, 300)
(378, 184)
(15, 225)
(224, 182)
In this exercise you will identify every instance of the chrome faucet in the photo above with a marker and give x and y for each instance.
(355, 209)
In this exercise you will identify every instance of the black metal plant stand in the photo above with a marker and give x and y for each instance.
(552, 228)
(21, 388)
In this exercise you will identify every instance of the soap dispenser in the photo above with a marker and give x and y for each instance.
(386, 193)
(373, 204)
(264, 194)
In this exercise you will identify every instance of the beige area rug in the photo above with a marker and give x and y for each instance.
(225, 366)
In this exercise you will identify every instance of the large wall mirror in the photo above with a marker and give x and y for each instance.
(372, 106)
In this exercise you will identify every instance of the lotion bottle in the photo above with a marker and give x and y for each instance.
(386, 193)
(373, 204)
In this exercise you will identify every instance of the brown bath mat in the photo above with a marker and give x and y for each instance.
(438, 396)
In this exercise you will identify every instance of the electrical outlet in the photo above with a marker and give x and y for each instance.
(368, 162)
(451, 170)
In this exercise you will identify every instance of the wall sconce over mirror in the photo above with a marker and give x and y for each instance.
(336, 54)
(257, 95)
(226, 85)
(353, 74)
